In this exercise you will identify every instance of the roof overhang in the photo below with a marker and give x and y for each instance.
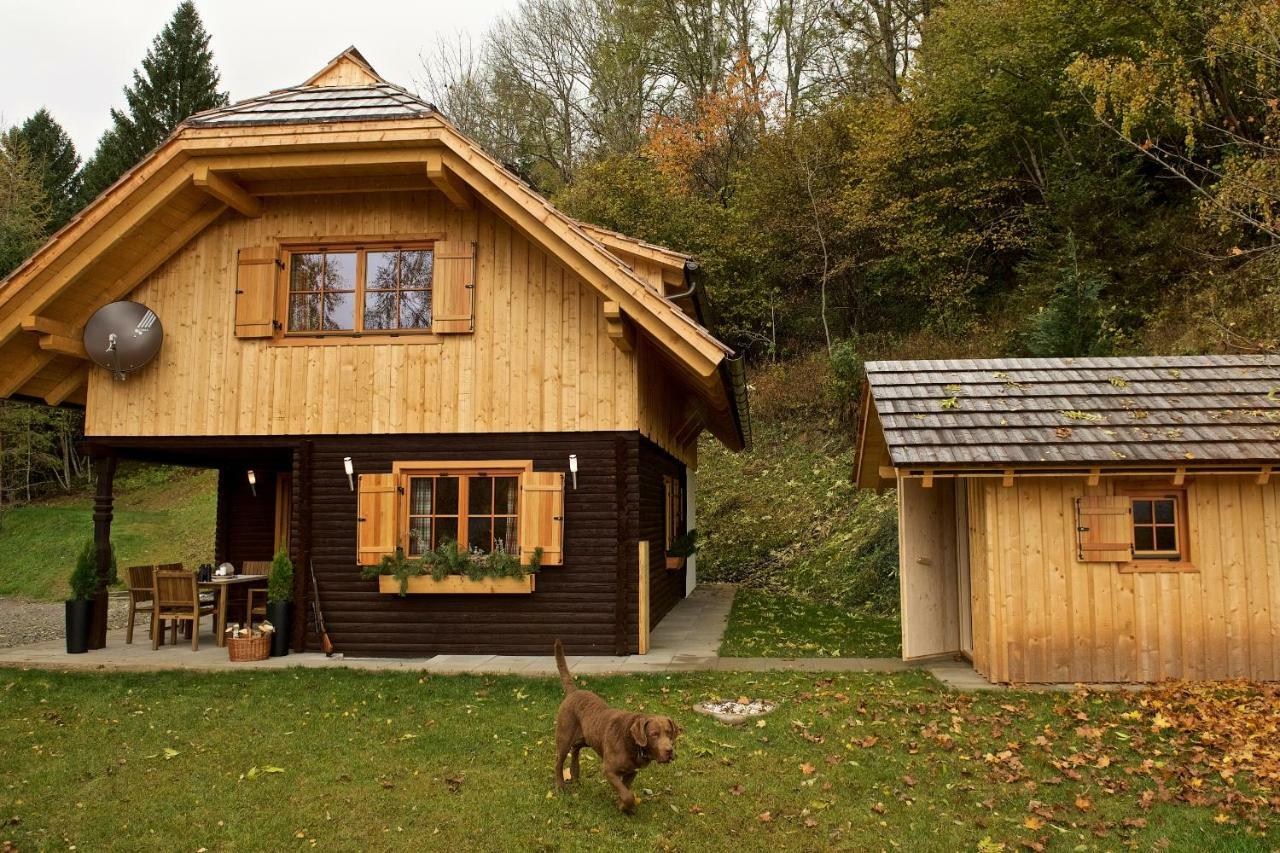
(199, 174)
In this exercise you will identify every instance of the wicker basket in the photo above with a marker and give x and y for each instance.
(241, 649)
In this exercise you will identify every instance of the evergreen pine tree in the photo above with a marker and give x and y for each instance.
(24, 211)
(177, 79)
(1071, 324)
(55, 154)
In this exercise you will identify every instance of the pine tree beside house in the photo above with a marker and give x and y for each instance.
(59, 163)
(177, 79)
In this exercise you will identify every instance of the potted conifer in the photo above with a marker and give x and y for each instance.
(280, 602)
(84, 587)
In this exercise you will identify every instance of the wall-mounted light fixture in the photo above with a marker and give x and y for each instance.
(350, 469)
(573, 468)
(253, 482)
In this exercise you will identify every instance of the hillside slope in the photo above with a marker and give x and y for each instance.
(786, 517)
(162, 515)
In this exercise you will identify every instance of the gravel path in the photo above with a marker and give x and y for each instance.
(24, 621)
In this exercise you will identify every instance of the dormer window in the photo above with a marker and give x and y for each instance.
(338, 289)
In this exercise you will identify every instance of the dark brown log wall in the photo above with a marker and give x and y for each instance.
(575, 602)
(246, 525)
(665, 587)
(589, 602)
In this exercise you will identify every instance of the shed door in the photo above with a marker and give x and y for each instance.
(928, 568)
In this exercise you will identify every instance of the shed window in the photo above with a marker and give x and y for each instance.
(674, 512)
(1155, 529)
(360, 290)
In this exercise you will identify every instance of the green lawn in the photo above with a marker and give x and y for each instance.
(763, 624)
(161, 516)
(344, 760)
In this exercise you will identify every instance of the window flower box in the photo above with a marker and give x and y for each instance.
(457, 585)
(675, 564)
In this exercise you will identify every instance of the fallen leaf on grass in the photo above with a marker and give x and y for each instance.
(1084, 804)
(765, 817)
(807, 769)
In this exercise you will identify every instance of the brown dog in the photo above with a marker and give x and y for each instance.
(624, 740)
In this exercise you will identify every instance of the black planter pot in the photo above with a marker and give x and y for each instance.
(278, 614)
(79, 619)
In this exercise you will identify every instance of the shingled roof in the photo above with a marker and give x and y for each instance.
(370, 102)
(1030, 412)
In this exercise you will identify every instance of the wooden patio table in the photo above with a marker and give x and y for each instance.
(222, 586)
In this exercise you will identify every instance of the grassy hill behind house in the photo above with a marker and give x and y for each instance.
(161, 515)
(786, 517)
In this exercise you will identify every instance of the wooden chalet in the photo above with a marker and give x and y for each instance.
(1084, 520)
(343, 277)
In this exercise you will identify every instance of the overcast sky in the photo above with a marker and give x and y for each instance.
(75, 56)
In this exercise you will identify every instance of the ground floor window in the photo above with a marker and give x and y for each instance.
(673, 489)
(478, 510)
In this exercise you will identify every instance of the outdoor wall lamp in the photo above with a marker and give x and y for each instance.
(253, 482)
(350, 469)
(573, 468)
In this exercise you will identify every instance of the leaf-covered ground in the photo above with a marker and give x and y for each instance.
(763, 624)
(343, 760)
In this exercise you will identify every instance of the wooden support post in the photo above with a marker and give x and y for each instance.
(104, 468)
(642, 610)
(227, 191)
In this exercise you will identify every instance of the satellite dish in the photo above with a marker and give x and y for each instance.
(123, 336)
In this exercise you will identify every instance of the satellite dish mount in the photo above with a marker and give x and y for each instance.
(122, 337)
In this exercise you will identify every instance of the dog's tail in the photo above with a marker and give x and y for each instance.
(566, 677)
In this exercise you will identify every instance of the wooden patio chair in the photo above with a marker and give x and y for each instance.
(141, 600)
(177, 600)
(256, 602)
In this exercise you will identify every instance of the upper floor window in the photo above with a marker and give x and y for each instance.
(360, 290)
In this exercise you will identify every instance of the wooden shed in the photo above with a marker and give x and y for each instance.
(1084, 520)
(383, 339)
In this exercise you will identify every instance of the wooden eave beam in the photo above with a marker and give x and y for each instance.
(336, 185)
(1264, 476)
(618, 327)
(458, 193)
(24, 371)
(226, 191)
(49, 326)
(61, 392)
(63, 345)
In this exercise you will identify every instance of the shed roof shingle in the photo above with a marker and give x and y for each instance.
(1024, 411)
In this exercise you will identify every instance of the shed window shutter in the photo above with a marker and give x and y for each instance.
(256, 292)
(376, 531)
(1104, 529)
(542, 516)
(453, 288)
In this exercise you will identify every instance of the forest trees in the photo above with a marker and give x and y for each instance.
(177, 79)
(42, 185)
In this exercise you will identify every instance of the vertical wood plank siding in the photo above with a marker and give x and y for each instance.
(1040, 615)
(540, 358)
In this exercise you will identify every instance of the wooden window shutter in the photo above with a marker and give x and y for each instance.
(542, 516)
(1104, 529)
(453, 288)
(256, 292)
(376, 529)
